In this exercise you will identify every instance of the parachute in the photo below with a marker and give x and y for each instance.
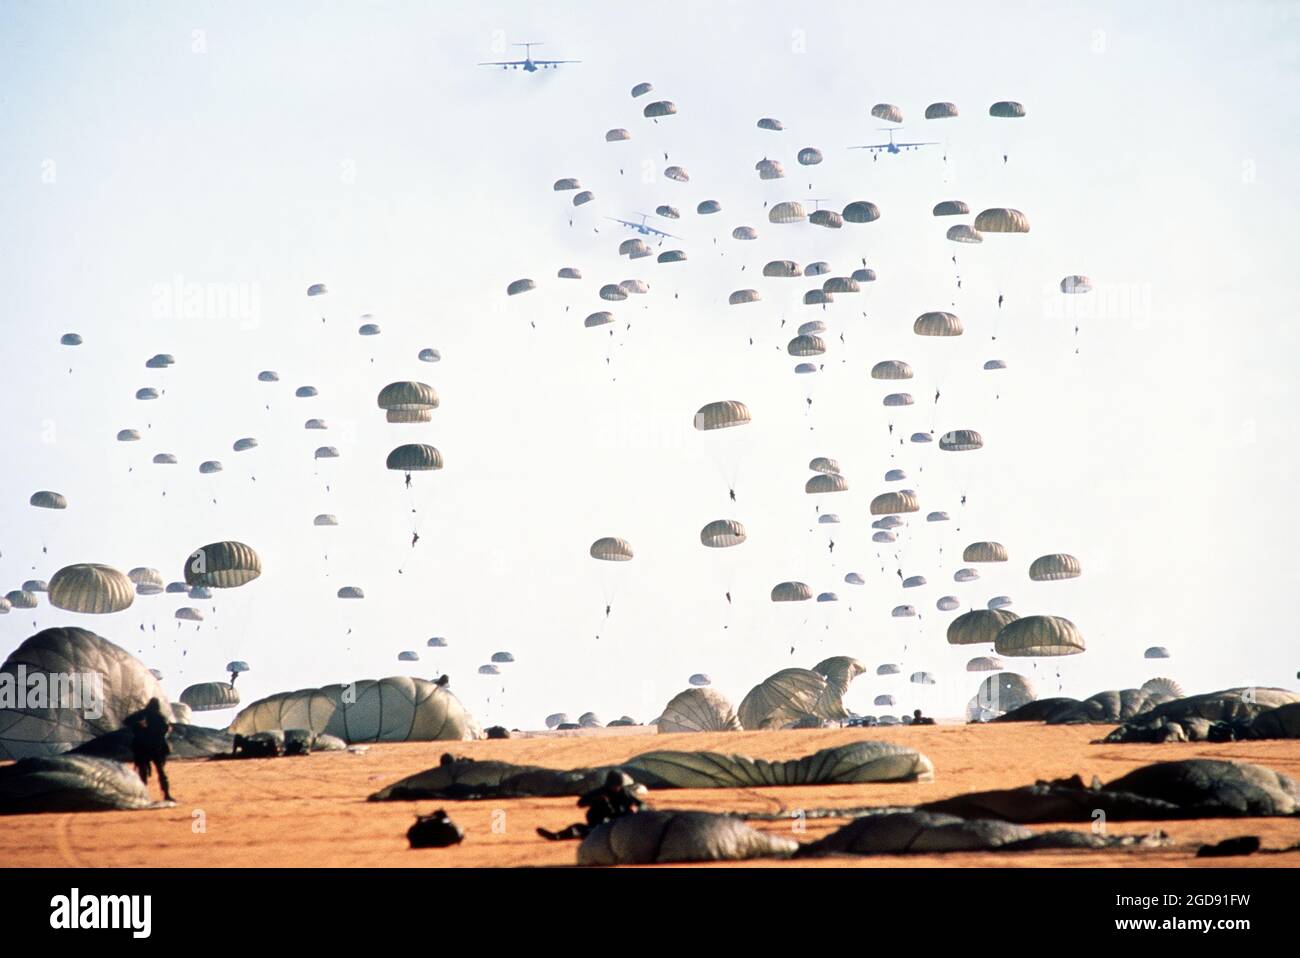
(1004, 692)
(210, 467)
(317, 289)
(891, 369)
(743, 296)
(315, 424)
(1076, 284)
(222, 565)
(937, 324)
(699, 680)
(827, 218)
(1007, 109)
(1163, 686)
(744, 233)
(566, 183)
(699, 710)
(164, 459)
(948, 603)
(328, 452)
(822, 464)
(305, 392)
(414, 457)
(616, 135)
(965, 575)
(891, 503)
(825, 482)
(914, 582)
(611, 549)
(668, 212)
(984, 663)
(768, 123)
(672, 256)
(840, 284)
(147, 581)
(864, 275)
(1156, 652)
(630, 246)
(888, 668)
(428, 355)
(722, 534)
(520, 286)
(677, 174)
(1049, 568)
(503, 657)
(641, 89)
(809, 156)
(903, 612)
(887, 111)
(791, 592)
(160, 361)
(895, 475)
(984, 552)
(368, 329)
(128, 435)
(787, 212)
(921, 437)
(210, 696)
(769, 169)
(1001, 220)
(883, 701)
(817, 269)
(91, 589)
(951, 208)
(437, 642)
(979, 626)
(813, 327)
(242, 445)
(884, 537)
(146, 393)
(613, 293)
(937, 517)
(70, 339)
(1039, 635)
(940, 111)
(991, 364)
(408, 656)
(827, 597)
(854, 578)
(961, 440)
(788, 697)
(828, 519)
(921, 678)
(961, 233)
(407, 396)
(583, 198)
(351, 592)
(708, 206)
(722, 415)
(999, 602)
(488, 670)
(601, 318)
(898, 399)
(806, 346)
(659, 108)
(556, 719)
(861, 211)
(268, 376)
(816, 297)
(48, 500)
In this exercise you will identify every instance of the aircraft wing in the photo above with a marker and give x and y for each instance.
(502, 63)
(874, 146)
(553, 62)
(930, 143)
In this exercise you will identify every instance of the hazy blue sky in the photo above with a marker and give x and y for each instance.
(264, 147)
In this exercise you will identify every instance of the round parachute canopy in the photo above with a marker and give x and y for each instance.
(677, 174)
(89, 588)
(700, 680)
(827, 218)
(1002, 693)
(160, 361)
(817, 269)
(827, 597)
(237, 666)
(326, 452)
(861, 211)
(146, 393)
(891, 369)
(951, 208)
(407, 395)
(222, 565)
(888, 668)
(601, 318)
(668, 212)
(317, 289)
(583, 198)
(961, 440)
(936, 517)
(743, 296)
(617, 135)
(813, 327)
(128, 435)
(660, 108)
(569, 272)
(164, 459)
(824, 482)
(429, 355)
(556, 719)
(1163, 686)
(722, 415)
(36, 585)
(1001, 220)
(922, 437)
(630, 246)
(641, 89)
(176, 588)
(305, 392)
(189, 614)
(887, 111)
(210, 467)
(1039, 635)
(315, 424)
(613, 293)
(769, 123)
(785, 268)
(804, 369)
(769, 169)
(940, 111)
(611, 549)
(520, 286)
(828, 519)
(898, 399)
(407, 657)
(999, 602)
(854, 578)
(895, 475)
(368, 329)
(70, 339)
(1007, 110)
(325, 519)
(48, 500)
(806, 346)
(903, 612)
(787, 212)
(883, 536)
(351, 592)
(210, 696)
(672, 256)
(823, 464)
(1155, 652)
(200, 592)
(406, 415)
(921, 678)
(810, 156)
(965, 575)
(502, 657)
(708, 206)
(840, 284)
(886, 522)
(992, 364)
(744, 233)
(914, 581)
(722, 534)
(1076, 284)
(488, 670)
(984, 663)
(1049, 568)
(961, 233)
(979, 626)
(791, 592)
(864, 275)
(268, 376)
(984, 552)
(883, 701)
(142, 575)
(893, 503)
(241, 445)
(937, 324)
(948, 603)
(414, 457)
(566, 183)
(22, 599)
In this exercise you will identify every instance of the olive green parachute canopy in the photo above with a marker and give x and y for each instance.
(677, 174)
(305, 392)
(806, 346)
(708, 206)
(810, 156)
(1076, 284)
(979, 626)
(840, 284)
(999, 602)
(892, 503)
(566, 183)
(210, 696)
(769, 169)
(200, 592)
(90, 588)
(581, 199)
(891, 369)
(601, 318)
(743, 296)
(54, 722)
(817, 269)
(782, 268)
(1039, 635)
(396, 709)
(937, 324)
(965, 575)
(351, 592)
(854, 578)
(437, 642)
(839, 671)
(325, 519)
(791, 592)
(414, 457)
(243, 445)
(665, 837)
(921, 678)
(160, 361)
(128, 435)
(861, 211)
(611, 549)
(884, 701)
(672, 256)
(503, 657)
(147, 578)
(557, 718)
(569, 272)
(984, 663)
(368, 329)
(1156, 652)
(1049, 568)
(884, 537)
(961, 233)
(817, 297)
(824, 465)
(407, 395)
(699, 710)
(827, 218)
(315, 424)
(1000, 220)
(898, 399)
(722, 415)
(71, 783)
(940, 111)
(36, 585)
(399, 416)
(48, 500)
(520, 286)
(176, 588)
(804, 368)
(864, 275)
(888, 668)
(146, 393)
(613, 293)
(887, 522)
(327, 452)
(488, 670)
(699, 679)
(629, 246)
(789, 697)
(951, 208)
(317, 289)
(937, 516)
(825, 482)
(984, 552)
(668, 212)
(660, 108)
(1004, 692)
(914, 582)
(769, 123)
(209, 467)
(787, 212)
(992, 364)
(268, 376)
(1007, 109)
(222, 565)
(70, 339)
(641, 89)
(1163, 686)
(744, 233)
(903, 612)
(722, 534)
(887, 111)
(961, 440)
(408, 657)
(616, 135)
(164, 459)
(948, 603)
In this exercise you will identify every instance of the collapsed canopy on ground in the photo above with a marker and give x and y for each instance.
(699, 710)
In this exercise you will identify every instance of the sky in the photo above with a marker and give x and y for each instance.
(174, 176)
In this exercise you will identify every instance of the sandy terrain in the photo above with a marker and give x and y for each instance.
(312, 811)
